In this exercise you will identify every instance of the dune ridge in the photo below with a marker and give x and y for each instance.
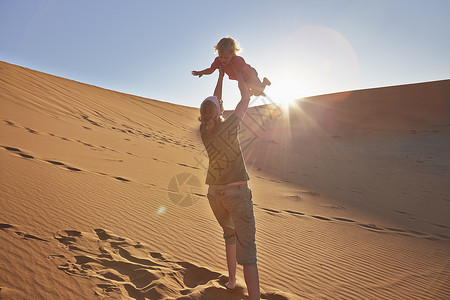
(351, 201)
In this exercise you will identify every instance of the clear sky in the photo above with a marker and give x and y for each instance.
(149, 48)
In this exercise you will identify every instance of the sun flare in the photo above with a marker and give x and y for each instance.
(285, 101)
(284, 93)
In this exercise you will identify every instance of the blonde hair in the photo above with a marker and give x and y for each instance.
(227, 43)
(208, 114)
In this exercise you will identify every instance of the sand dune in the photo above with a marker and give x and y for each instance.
(102, 195)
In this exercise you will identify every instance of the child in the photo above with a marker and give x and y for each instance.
(227, 48)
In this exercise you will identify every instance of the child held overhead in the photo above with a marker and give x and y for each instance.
(228, 48)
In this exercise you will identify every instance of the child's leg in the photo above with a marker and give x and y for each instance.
(255, 85)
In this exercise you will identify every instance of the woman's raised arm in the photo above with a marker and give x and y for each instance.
(242, 106)
(218, 89)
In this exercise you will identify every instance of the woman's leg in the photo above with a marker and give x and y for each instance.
(241, 212)
(231, 263)
(252, 281)
(223, 217)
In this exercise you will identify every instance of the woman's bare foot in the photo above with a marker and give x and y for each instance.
(231, 284)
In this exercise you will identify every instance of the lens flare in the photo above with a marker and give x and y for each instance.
(161, 210)
(314, 60)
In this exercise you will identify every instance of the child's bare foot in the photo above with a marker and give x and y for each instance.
(256, 92)
(252, 93)
(231, 284)
(266, 81)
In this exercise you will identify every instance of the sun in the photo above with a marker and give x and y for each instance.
(286, 88)
(285, 101)
(282, 95)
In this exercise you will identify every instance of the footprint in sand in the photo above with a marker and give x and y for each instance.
(26, 155)
(10, 123)
(62, 138)
(18, 151)
(122, 179)
(53, 162)
(85, 144)
(443, 236)
(184, 165)
(369, 227)
(395, 229)
(271, 211)
(31, 130)
(12, 149)
(321, 218)
(30, 236)
(20, 233)
(121, 267)
(418, 233)
(440, 225)
(73, 169)
(5, 226)
(295, 213)
(58, 163)
(344, 220)
(85, 117)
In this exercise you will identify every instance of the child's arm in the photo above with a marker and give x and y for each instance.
(207, 71)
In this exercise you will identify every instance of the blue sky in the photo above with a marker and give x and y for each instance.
(149, 48)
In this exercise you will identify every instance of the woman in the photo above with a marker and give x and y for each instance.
(228, 194)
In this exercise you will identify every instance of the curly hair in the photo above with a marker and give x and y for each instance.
(227, 43)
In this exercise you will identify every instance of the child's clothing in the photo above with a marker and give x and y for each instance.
(237, 62)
